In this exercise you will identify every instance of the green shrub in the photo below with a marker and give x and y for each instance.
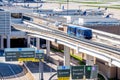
(72, 55)
(78, 58)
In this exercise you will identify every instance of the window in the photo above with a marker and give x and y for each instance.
(16, 15)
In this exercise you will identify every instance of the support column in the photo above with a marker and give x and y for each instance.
(90, 60)
(77, 49)
(48, 47)
(2, 42)
(28, 41)
(38, 43)
(34, 42)
(8, 41)
(66, 56)
(118, 73)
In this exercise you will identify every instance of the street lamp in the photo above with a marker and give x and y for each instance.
(38, 1)
(37, 5)
(39, 54)
(24, 2)
(67, 6)
(41, 69)
(79, 9)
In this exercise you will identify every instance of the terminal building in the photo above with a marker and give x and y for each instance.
(103, 23)
(106, 24)
(5, 28)
(10, 37)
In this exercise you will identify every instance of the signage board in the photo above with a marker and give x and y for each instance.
(91, 72)
(77, 72)
(13, 54)
(1, 52)
(19, 49)
(39, 54)
(28, 59)
(64, 78)
(63, 71)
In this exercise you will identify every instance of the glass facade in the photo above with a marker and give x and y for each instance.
(5, 26)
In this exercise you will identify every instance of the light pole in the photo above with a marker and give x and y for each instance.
(67, 6)
(38, 1)
(79, 9)
(24, 3)
(41, 69)
(40, 55)
(37, 5)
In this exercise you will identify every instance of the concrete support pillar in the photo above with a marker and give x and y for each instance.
(90, 60)
(66, 56)
(108, 71)
(72, 51)
(34, 42)
(28, 41)
(8, 41)
(48, 47)
(38, 43)
(77, 49)
(118, 72)
(2, 42)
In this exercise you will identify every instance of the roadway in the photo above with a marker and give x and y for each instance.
(12, 71)
(49, 70)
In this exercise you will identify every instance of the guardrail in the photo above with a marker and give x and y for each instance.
(110, 53)
(106, 34)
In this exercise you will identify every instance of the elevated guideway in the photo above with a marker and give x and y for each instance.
(99, 34)
(101, 51)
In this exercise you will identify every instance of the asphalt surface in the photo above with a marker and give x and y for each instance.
(7, 70)
(48, 71)
(81, 6)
